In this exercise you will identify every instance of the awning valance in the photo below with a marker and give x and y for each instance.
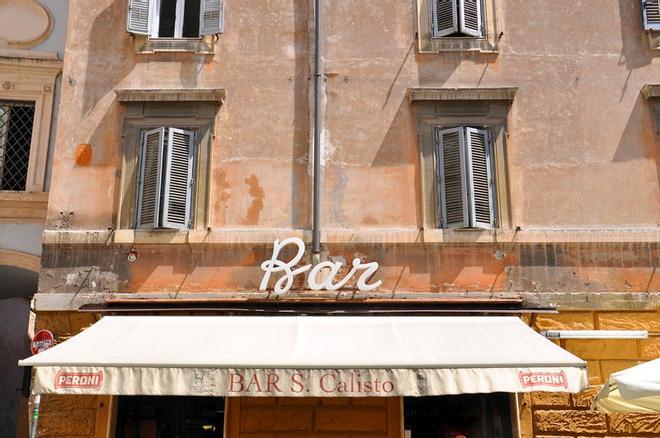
(306, 356)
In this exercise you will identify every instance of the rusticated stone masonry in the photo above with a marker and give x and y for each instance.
(547, 415)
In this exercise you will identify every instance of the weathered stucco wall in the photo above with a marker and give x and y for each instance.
(581, 151)
(407, 269)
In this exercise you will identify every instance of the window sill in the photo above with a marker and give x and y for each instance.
(466, 44)
(468, 235)
(145, 45)
(366, 236)
(23, 207)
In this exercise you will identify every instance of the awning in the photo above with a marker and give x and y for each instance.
(635, 389)
(306, 356)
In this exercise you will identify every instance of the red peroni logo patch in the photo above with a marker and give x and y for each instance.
(528, 380)
(79, 380)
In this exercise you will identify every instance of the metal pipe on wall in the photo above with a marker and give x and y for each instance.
(318, 78)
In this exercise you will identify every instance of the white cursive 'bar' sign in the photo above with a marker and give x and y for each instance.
(326, 281)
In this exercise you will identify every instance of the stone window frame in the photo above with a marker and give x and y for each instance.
(651, 93)
(30, 80)
(462, 107)
(486, 44)
(190, 109)
(33, 80)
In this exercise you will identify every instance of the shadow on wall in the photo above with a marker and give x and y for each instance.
(639, 139)
(104, 70)
(435, 69)
(300, 184)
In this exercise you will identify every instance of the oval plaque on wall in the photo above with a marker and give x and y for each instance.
(23, 23)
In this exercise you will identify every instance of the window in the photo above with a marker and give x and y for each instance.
(167, 139)
(152, 416)
(16, 123)
(651, 11)
(457, 26)
(175, 18)
(166, 178)
(456, 18)
(464, 184)
(452, 416)
(466, 192)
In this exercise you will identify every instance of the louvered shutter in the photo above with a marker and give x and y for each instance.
(139, 17)
(179, 166)
(480, 178)
(444, 17)
(212, 17)
(651, 10)
(471, 20)
(149, 180)
(452, 179)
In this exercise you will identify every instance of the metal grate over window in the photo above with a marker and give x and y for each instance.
(16, 120)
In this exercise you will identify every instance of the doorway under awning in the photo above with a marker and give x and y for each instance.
(306, 356)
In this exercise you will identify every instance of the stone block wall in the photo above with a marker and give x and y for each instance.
(546, 415)
(68, 416)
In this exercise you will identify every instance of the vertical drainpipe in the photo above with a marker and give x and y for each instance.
(318, 82)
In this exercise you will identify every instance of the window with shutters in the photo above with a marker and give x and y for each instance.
(456, 18)
(175, 25)
(457, 25)
(463, 135)
(165, 169)
(166, 178)
(466, 192)
(651, 13)
(651, 21)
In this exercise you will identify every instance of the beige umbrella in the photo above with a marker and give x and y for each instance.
(635, 389)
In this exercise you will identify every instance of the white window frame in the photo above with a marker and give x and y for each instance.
(143, 18)
(178, 20)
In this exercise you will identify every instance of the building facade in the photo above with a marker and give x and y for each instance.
(494, 157)
(32, 36)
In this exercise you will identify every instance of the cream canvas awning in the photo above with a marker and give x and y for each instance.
(306, 356)
(635, 389)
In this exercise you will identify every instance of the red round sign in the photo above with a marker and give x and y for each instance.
(43, 340)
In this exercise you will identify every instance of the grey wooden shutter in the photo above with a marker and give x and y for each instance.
(452, 179)
(651, 10)
(471, 17)
(149, 178)
(178, 186)
(212, 17)
(480, 178)
(444, 17)
(139, 17)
